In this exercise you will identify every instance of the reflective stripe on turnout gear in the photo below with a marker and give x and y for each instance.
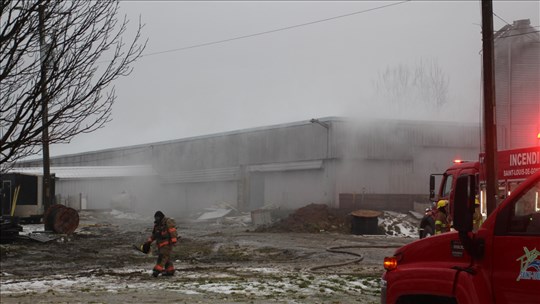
(164, 243)
(163, 231)
(440, 223)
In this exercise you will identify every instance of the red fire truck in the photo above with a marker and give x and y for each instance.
(514, 166)
(500, 263)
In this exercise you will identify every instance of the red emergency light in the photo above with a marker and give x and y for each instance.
(458, 161)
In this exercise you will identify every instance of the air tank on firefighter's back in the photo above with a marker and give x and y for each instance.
(517, 94)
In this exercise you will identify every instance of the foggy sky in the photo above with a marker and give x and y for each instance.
(319, 70)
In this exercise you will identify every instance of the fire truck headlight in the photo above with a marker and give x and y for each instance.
(390, 263)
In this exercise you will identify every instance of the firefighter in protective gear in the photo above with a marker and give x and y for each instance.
(442, 224)
(477, 216)
(165, 236)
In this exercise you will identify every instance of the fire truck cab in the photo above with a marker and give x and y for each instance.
(514, 166)
(500, 263)
(445, 191)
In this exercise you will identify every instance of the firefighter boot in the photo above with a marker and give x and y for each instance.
(157, 269)
(169, 270)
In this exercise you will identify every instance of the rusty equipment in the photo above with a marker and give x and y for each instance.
(61, 219)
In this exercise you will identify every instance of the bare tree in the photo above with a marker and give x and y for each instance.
(424, 83)
(57, 62)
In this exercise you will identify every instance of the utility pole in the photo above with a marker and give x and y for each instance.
(46, 52)
(490, 127)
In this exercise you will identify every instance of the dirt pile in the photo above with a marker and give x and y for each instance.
(317, 218)
(313, 218)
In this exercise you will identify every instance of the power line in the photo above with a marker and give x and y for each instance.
(520, 34)
(500, 18)
(507, 21)
(272, 31)
(510, 25)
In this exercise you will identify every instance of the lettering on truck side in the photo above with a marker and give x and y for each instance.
(525, 171)
(518, 163)
(524, 159)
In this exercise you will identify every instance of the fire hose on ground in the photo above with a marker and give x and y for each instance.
(339, 249)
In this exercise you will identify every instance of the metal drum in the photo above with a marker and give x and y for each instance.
(365, 222)
(61, 219)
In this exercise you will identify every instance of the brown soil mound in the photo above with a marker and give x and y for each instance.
(313, 218)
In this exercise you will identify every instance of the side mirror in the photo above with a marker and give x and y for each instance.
(463, 215)
(431, 187)
(464, 203)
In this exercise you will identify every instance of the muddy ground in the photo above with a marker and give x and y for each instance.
(218, 261)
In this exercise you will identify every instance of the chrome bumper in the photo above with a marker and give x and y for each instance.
(383, 291)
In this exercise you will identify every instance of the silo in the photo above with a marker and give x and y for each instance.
(517, 85)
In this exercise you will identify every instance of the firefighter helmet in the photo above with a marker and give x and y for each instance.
(158, 217)
(442, 203)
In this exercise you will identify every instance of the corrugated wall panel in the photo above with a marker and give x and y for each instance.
(517, 75)
(206, 175)
(206, 195)
(101, 192)
(295, 189)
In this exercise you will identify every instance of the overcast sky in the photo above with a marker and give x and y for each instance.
(319, 69)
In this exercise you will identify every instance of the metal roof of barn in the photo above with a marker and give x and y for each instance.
(90, 171)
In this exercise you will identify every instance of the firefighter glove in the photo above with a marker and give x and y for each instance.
(145, 248)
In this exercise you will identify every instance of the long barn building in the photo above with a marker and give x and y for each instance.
(380, 164)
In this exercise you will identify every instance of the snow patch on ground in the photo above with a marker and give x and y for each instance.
(398, 224)
(125, 215)
(187, 282)
(262, 270)
(31, 228)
